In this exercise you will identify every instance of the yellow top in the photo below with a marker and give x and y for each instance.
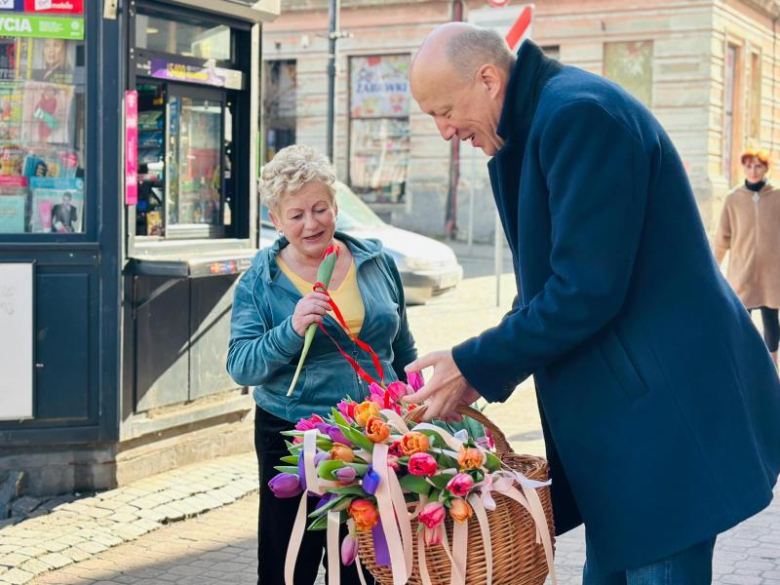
(347, 296)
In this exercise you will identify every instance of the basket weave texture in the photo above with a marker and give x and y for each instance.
(517, 558)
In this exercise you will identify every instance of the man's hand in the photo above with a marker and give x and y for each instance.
(446, 390)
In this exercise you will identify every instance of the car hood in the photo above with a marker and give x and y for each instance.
(397, 241)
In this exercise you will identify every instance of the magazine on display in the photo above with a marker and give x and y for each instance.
(46, 113)
(57, 205)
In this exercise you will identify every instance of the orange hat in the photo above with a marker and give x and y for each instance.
(761, 154)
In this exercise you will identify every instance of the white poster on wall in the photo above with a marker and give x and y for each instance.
(16, 341)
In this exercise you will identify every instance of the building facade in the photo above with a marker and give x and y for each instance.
(706, 68)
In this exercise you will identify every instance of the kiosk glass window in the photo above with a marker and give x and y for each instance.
(199, 40)
(42, 124)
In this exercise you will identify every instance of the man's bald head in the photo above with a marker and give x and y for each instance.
(462, 48)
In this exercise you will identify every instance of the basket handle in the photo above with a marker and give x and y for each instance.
(502, 444)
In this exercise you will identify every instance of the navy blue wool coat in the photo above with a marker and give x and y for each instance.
(660, 404)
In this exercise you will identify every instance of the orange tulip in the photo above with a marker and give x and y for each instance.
(460, 510)
(364, 411)
(469, 458)
(377, 430)
(364, 513)
(414, 442)
(342, 453)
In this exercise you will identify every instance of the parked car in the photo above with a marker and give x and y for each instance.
(428, 268)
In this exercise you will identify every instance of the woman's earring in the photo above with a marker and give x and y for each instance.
(281, 233)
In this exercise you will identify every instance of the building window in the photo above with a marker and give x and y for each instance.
(754, 120)
(42, 124)
(279, 106)
(379, 127)
(731, 92)
(630, 64)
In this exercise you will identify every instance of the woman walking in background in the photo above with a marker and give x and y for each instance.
(750, 229)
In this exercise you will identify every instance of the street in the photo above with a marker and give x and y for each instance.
(220, 546)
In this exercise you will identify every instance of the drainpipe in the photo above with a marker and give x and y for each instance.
(451, 212)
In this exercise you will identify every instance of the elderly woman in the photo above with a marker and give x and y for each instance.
(750, 228)
(275, 303)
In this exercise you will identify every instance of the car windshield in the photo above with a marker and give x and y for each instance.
(353, 213)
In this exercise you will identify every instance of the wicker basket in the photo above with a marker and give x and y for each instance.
(517, 559)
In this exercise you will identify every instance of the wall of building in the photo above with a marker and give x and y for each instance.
(688, 39)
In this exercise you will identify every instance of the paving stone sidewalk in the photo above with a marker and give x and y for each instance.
(75, 531)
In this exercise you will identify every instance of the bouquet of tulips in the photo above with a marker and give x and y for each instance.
(376, 470)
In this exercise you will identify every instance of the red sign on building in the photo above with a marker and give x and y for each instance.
(55, 6)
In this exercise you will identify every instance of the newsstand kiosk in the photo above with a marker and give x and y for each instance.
(128, 210)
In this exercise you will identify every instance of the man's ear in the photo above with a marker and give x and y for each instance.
(490, 79)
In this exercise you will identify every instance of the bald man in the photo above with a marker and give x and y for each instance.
(660, 404)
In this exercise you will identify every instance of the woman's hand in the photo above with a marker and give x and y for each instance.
(310, 309)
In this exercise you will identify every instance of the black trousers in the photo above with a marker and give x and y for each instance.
(277, 516)
(771, 322)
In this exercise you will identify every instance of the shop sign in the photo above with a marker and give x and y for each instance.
(214, 76)
(131, 147)
(380, 86)
(44, 27)
(55, 6)
(13, 5)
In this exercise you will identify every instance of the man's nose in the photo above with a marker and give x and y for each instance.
(446, 131)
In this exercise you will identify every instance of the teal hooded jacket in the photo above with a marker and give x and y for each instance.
(264, 348)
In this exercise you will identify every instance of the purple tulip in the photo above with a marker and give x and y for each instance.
(334, 433)
(285, 485)
(345, 474)
(370, 481)
(349, 550)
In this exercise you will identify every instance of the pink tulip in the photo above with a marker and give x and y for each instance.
(376, 394)
(397, 390)
(415, 380)
(432, 514)
(349, 550)
(461, 484)
(307, 424)
(422, 464)
(347, 409)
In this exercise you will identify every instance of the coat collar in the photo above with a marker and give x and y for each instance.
(531, 73)
(768, 188)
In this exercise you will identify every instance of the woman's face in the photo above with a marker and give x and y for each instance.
(755, 170)
(53, 53)
(308, 219)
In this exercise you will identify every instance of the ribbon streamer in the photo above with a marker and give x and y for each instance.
(460, 539)
(484, 529)
(296, 537)
(334, 554)
(387, 513)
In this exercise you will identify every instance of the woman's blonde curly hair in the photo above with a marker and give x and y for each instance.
(290, 170)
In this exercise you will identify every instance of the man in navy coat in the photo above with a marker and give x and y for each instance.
(660, 406)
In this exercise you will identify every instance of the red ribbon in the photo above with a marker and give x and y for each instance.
(320, 287)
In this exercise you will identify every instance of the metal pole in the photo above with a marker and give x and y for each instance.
(333, 26)
(498, 256)
(471, 197)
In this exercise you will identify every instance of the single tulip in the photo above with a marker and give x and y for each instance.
(414, 442)
(364, 513)
(307, 424)
(285, 485)
(397, 390)
(342, 453)
(345, 474)
(349, 550)
(377, 395)
(395, 449)
(377, 430)
(393, 463)
(415, 380)
(469, 458)
(319, 456)
(364, 411)
(432, 514)
(422, 464)
(460, 510)
(333, 432)
(461, 484)
(347, 409)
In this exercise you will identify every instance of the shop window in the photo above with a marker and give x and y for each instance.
(42, 124)
(279, 106)
(379, 127)
(630, 64)
(199, 40)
